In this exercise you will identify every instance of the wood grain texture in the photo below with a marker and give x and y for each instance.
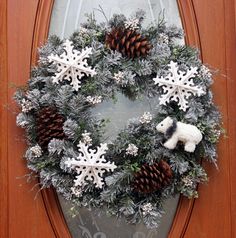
(4, 218)
(41, 27)
(55, 213)
(189, 22)
(213, 212)
(27, 216)
(211, 216)
(50, 199)
(230, 34)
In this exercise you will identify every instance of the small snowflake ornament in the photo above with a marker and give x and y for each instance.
(145, 118)
(72, 65)
(90, 165)
(178, 86)
(132, 150)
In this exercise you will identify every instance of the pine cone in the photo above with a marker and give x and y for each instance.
(49, 125)
(151, 178)
(128, 42)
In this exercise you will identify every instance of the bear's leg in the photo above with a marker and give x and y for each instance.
(189, 146)
(171, 143)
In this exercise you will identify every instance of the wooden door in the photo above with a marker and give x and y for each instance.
(210, 26)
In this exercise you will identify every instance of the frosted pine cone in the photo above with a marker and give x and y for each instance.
(128, 42)
(49, 125)
(151, 178)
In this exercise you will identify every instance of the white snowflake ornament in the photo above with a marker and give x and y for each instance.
(72, 65)
(178, 86)
(90, 165)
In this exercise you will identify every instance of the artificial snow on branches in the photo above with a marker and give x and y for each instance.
(90, 165)
(72, 65)
(102, 61)
(178, 86)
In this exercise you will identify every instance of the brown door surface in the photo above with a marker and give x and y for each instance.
(210, 26)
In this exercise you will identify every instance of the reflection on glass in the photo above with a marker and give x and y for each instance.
(67, 15)
(90, 224)
(66, 18)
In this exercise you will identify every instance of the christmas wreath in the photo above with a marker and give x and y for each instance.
(157, 155)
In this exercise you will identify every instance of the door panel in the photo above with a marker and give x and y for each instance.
(217, 37)
(212, 215)
(27, 216)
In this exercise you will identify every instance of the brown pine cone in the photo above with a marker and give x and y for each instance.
(49, 125)
(151, 178)
(128, 42)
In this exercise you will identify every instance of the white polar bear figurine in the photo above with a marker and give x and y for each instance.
(190, 135)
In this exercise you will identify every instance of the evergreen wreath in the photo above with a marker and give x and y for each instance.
(157, 155)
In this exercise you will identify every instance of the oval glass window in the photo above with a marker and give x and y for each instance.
(67, 16)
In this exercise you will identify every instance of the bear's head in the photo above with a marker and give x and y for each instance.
(164, 125)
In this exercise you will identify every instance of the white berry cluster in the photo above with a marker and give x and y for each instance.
(163, 38)
(188, 181)
(205, 72)
(145, 118)
(26, 105)
(132, 150)
(94, 100)
(132, 24)
(147, 208)
(86, 139)
(119, 76)
(83, 31)
(77, 191)
(36, 151)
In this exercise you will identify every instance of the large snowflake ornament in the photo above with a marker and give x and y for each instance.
(72, 65)
(178, 86)
(90, 165)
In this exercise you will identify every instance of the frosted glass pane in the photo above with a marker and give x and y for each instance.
(66, 18)
(68, 14)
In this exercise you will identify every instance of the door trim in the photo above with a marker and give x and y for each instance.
(50, 199)
(192, 38)
(4, 215)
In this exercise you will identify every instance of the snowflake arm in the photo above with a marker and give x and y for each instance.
(72, 65)
(90, 165)
(178, 86)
